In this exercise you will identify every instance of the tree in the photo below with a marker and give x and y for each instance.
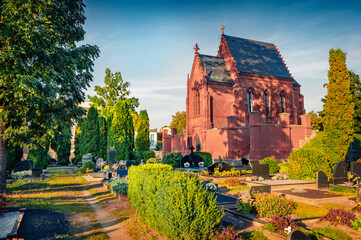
(316, 121)
(355, 88)
(63, 146)
(142, 142)
(179, 121)
(115, 88)
(40, 156)
(102, 138)
(338, 110)
(121, 129)
(89, 138)
(42, 70)
(77, 154)
(14, 155)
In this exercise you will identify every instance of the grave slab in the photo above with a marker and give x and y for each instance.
(321, 180)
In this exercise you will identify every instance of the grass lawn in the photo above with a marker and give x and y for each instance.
(304, 210)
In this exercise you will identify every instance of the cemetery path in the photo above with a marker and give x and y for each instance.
(109, 224)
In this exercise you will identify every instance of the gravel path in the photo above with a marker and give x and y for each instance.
(109, 223)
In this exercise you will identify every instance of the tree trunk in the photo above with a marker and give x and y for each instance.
(3, 150)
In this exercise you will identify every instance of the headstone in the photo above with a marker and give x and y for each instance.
(222, 166)
(52, 162)
(36, 172)
(24, 165)
(129, 163)
(111, 155)
(259, 189)
(339, 173)
(192, 159)
(141, 161)
(99, 162)
(107, 175)
(321, 180)
(356, 169)
(87, 157)
(253, 162)
(297, 235)
(244, 161)
(261, 170)
(122, 173)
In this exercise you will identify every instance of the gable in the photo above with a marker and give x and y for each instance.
(216, 69)
(256, 57)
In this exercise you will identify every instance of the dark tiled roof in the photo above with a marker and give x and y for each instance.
(257, 57)
(216, 69)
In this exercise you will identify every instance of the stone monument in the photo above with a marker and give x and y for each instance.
(111, 156)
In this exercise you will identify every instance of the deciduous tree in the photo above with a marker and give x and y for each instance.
(179, 121)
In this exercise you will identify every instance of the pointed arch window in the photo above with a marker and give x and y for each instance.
(283, 101)
(198, 145)
(266, 102)
(211, 110)
(250, 100)
(198, 103)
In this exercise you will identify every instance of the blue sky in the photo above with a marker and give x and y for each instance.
(151, 42)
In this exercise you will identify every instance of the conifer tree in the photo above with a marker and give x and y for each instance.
(77, 154)
(338, 110)
(109, 133)
(142, 142)
(63, 146)
(102, 138)
(355, 89)
(40, 156)
(89, 140)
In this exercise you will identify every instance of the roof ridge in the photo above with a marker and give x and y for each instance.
(210, 56)
(249, 39)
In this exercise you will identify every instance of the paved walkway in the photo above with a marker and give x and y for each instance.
(108, 222)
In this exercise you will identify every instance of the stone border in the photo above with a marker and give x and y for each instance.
(14, 231)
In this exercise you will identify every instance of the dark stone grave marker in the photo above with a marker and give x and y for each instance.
(260, 170)
(129, 163)
(52, 162)
(321, 180)
(36, 172)
(297, 235)
(339, 173)
(24, 165)
(253, 162)
(122, 173)
(356, 168)
(259, 189)
(245, 161)
(221, 165)
(111, 156)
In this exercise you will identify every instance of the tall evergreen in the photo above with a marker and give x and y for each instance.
(102, 138)
(40, 156)
(142, 142)
(338, 110)
(120, 130)
(77, 154)
(63, 146)
(109, 133)
(355, 89)
(89, 140)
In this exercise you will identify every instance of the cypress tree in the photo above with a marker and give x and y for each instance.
(102, 138)
(89, 140)
(77, 154)
(355, 89)
(338, 110)
(142, 142)
(109, 132)
(63, 146)
(120, 130)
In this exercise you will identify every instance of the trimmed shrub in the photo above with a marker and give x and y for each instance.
(280, 222)
(268, 205)
(152, 160)
(172, 159)
(88, 165)
(119, 186)
(148, 154)
(40, 157)
(244, 207)
(339, 216)
(226, 234)
(273, 167)
(173, 203)
(284, 167)
(306, 162)
(132, 155)
(207, 158)
(159, 146)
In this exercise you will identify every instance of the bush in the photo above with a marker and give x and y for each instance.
(159, 146)
(330, 233)
(244, 207)
(356, 224)
(152, 160)
(119, 186)
(268, 205)
(88, 165)
(207, 158)
(339, 216)
(148, 154)
(173, 203)
(306, 162)
(172, 158)
(40, 157)
(273, 167)
(132, 155)
(284, 167)
(225, 234)
(281, 222)
(231, 182)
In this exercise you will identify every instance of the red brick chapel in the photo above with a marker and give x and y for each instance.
(242, 102)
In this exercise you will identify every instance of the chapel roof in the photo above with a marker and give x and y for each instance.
(257, 57)
(216, 69)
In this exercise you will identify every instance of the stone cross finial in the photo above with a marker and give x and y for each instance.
(196, 48)
(191, 148)
(223, 27)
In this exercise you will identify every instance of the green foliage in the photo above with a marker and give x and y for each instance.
(121, 130)
(40, 157)
(207, 158)
(148, 154)
(338, 109)
(102, 138)
(173, 203)
(355, 89)
(77, 154)
(268, 205)
(179, 121)
(316, 121)
(306, 162)
(88, 165)
(343, 189)
(42, 70)
(284, 167)
(152, 160)
(13, 156)
(133, 155)
(172, 158)
(119, 186)
(142, 142)
(63, 140)
(330, 233)
(244, 207)
(356, 224)
(109, 133)
(273, 164)
(254, 235)
(159, 146)
(89, 138)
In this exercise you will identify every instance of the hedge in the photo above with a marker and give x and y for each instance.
(119, 186)
(172, 158)
(174, 204)
(273, 166)
(147, 155)
(306, 162)
(207, 157)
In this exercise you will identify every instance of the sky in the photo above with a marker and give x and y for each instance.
(151, 42)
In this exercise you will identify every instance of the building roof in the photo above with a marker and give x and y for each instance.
(257, 57)
(216, 69)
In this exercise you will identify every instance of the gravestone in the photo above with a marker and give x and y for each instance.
(261, 170)
(111, 155)
(192, 159)
(253, 162)
(99, 162)
(122, 173)
(356, 169)
(245, 161)
(339, 173)
(24, 165)
(321, 180)
(297, 235)
(36, 172)
(87, 157)
(222, 166)
(129, 163)
(52, 162)
(259, 189)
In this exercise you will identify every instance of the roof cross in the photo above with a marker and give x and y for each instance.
(223, 27)
(196, 48)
